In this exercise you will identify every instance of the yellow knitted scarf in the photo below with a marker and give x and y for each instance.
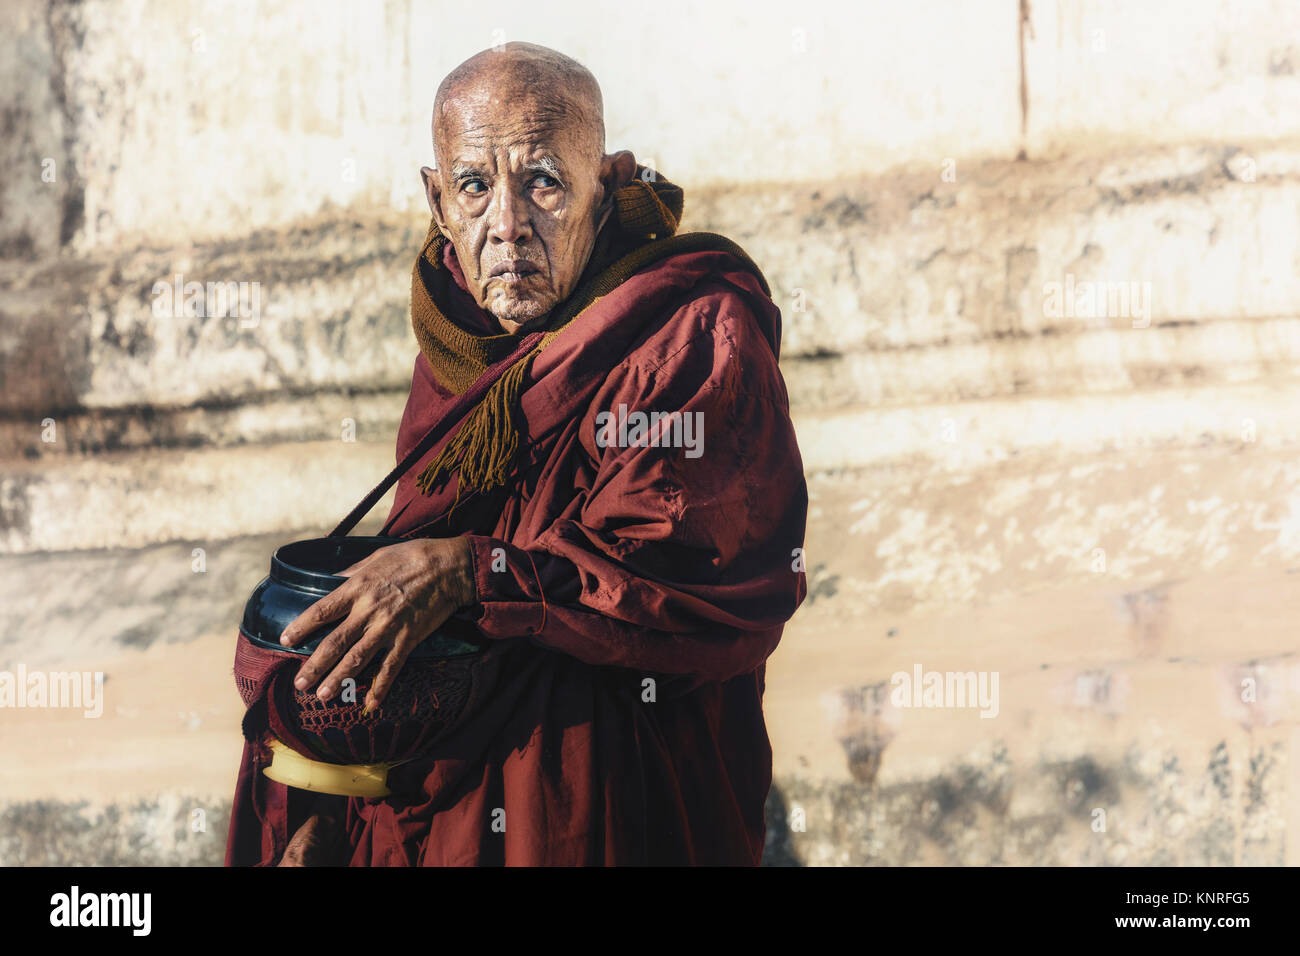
(483, 451)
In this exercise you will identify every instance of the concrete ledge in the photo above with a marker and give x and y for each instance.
(916, 287)
(135, 498)
(372, 416)
(1149, 365)
(130, 500)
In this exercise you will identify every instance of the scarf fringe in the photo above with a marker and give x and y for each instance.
(484, 448)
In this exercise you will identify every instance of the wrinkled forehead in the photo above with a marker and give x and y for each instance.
(486, 118)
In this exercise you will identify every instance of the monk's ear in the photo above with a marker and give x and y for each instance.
(616, 171)
(433, 193)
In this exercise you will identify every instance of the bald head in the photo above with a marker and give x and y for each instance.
(553, 88)
(523, 184)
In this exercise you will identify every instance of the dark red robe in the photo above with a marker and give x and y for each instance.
(629, 597)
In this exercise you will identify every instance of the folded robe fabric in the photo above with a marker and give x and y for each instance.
(629, 593)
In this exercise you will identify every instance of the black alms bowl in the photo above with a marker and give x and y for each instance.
(305, 571)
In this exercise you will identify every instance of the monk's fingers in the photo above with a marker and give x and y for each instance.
(373, 557)
(389, 669)
(331, 607)
(355, 566)
(354, 661)
(328, 653)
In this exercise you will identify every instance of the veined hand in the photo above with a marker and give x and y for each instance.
(392, 600)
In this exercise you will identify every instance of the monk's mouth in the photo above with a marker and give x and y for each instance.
(513, 270)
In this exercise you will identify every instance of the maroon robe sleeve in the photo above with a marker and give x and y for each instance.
(665, 561)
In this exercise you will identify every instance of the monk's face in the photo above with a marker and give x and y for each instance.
(521, 190)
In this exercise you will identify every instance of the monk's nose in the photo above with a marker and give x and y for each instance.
(509, 218)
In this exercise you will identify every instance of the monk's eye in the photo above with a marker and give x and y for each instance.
(542, 181)
(468, 187)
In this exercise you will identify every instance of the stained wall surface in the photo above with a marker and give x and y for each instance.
(1038, 265)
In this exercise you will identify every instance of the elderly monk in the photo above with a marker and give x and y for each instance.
(620, 517)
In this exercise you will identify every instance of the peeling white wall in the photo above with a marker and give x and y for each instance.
(189, 120)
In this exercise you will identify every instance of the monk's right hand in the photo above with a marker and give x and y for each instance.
(390, 602)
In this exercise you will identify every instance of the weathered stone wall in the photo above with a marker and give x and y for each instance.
(199, 119)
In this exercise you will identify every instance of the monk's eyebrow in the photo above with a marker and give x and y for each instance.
(460, 171)
(547, 165)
